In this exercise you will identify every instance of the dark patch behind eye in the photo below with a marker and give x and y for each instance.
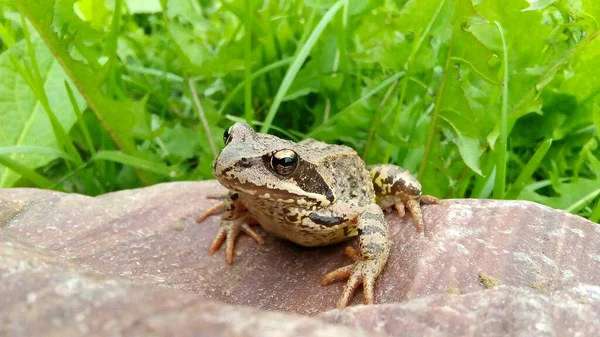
(307, 178)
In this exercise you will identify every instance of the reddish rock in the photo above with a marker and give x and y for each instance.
(503, 311)
(41, 295)
(147, 240)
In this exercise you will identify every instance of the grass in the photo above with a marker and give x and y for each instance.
(495, 99)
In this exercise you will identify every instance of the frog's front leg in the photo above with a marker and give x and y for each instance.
(235, 218)
(396, 187)
(374, 248)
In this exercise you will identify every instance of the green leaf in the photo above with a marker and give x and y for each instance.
(25, 172)
(123, 120)
(143, 6)
(501, 147)
(23, 121)
(526, 172)
(469, 148)
(180, 142)
(321, 130)
(596, 117)
(27, 149)
(535, 5)
(570, 195)
(453, 105)
(142, 164)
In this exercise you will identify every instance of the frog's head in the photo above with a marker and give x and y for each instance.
(271, 168)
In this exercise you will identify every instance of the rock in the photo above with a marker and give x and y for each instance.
(503, 311)
(144, 247)
(41, 295)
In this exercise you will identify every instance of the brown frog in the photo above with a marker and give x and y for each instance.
(313, 194)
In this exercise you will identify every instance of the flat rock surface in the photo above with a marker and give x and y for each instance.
(135, 262)
(503, 311)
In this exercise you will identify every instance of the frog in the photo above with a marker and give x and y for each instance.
(313, 194)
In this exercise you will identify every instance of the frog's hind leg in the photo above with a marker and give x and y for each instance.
(374, 249)
(396, 187)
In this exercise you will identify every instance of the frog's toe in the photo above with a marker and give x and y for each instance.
(352, 253)
(399, 206)
(253, 234)
(429, 200)
(338, 274)
(414, 207)
(228, 232)
(221, 236)
(213, 210)
(361, 272)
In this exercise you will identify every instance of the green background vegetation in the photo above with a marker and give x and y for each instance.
(478, 98)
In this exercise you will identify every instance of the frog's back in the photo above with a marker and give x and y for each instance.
(348, 172)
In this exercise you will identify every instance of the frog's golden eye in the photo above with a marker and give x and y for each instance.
(227, 136)
(284, 162)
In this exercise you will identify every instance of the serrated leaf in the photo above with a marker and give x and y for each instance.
(23, 121)
(122, 120)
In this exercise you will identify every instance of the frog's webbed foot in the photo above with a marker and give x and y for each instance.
(229, 231)
(235, 219)
(413, 205)
(369, 260)
(362, 271)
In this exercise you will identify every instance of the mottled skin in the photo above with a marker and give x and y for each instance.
(313, 194)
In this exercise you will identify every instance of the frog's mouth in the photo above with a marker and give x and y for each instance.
(275, 194)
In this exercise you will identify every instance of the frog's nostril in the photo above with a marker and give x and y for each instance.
(244, 163)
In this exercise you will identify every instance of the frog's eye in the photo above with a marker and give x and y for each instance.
(227, 136)
(284, 162)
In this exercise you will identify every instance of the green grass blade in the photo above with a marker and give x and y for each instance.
(30, 149)
(576, 206)
(408, 68)
(139, 163)
(110, 49)
(6, 36)
(361, 100)
(286, 133)
(248, 111)
(255, 75)
(80, 121)
(73, 173)
(202, 117)
(375, 120)
(595, 216)
(528, 170)
(37, 86)
(434, 117)
(27, 173)
(297, 64)
(500, 185)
